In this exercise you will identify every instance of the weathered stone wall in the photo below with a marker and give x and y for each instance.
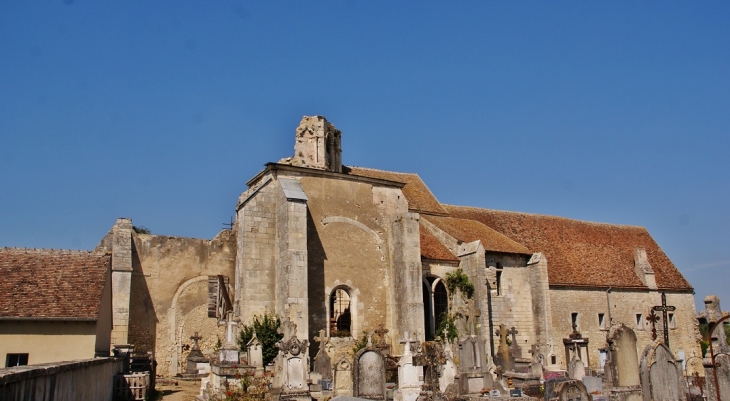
(168, 291)
(625, 305)
(513, 307)
(87, 380)
(349, 237)
(256, 261)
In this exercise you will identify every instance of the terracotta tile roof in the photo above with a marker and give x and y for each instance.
(420, 199)
(432, 248)
(579, 252)
(468, 230)
(41, 283)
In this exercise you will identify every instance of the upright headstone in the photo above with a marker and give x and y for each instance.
(622, 367)
(448, 373)
(293, 363)
(514, 348)
(536, 368)
(255, 351)
(322, 371)
(576, 368)
(503, 359)
(197, 363)
(369, 373)
(343, 377)
(661, 374)
(408, 382)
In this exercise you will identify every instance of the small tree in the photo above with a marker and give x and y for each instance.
(265, 327)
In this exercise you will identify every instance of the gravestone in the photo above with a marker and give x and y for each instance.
(576, 368)
(197, 363)
(722, 361)
(292, 363)
(408, 382)
(448, 372)
(322, 362)
(503, 359)
(593, 384)
(255, 350)
(471, 378)
(369, 373)
(622, 366)
(571, 390)
(514, 348)
(661, 374)
(536, 368)
(343, 377)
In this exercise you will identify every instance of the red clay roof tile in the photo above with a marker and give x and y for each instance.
(468, 230)
(432, 248)
(420, 199)
(41, 283)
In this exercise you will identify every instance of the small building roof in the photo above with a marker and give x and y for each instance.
(468, 230)
(432, 248)
(420, 198)
(582, 253)
(51, 284)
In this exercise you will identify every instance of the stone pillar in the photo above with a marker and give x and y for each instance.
(121, 279)
(714, 313)
(292, 299)
(405, 254)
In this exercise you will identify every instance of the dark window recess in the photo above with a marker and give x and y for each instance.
(499, 279)
(16, 360)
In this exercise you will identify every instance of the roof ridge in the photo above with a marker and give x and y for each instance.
(47, 250)
(384, 171)
(598, 223)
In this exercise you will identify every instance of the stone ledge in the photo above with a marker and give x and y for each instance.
(19, 373)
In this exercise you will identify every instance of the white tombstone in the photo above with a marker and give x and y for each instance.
(409, 387)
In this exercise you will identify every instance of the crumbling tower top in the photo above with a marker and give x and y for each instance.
(316, 145)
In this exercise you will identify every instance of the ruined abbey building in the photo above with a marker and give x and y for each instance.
(347, 250)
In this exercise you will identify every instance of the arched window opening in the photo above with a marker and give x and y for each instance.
(340, 316)
(435, 306)
(440, 303)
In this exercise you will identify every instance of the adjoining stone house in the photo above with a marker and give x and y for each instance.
(347, 249)
(55, 305)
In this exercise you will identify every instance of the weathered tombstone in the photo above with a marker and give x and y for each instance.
(381, 343)
(369, 373)
(343, 377)
(576, 368)
(514, 348)
(255, 350)
(224, 369)
(471, 378)
(622, 367)
(576, 344)
(432, 359)
(593, 384)
(408, 384)
(293, 363)
(197, 363)
(661, 374)
(550, 385)
(537, 361)
(571, 390)
(322, 362)
(504, 358)
(448, 372)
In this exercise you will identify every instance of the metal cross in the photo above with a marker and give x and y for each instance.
(653, 318)
(664, 309)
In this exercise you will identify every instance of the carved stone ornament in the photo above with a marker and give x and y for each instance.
(293, 346)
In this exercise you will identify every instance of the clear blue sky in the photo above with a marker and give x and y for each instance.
(161, 111)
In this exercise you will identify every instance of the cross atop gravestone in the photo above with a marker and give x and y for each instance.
(370, 339)
(664, 309)
(502, 333)
(407, 340)
(575, 334)
(513, 332)
(535, 351)
(196, 337)
(321, 339)
(230, 323)
(472, 313)
(381, 331)
(653, 318)
(288, 329)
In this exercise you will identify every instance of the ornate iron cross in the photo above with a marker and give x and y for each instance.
(653, 318)
(664, 309)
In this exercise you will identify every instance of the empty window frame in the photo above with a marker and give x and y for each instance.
(639, 321)
(16, 360)
(671, 322)
(602, 321)
(499, 279)
(340, 317)
(575, 324)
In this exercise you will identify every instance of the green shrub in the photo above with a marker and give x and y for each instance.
(265, 327)
(457, 280)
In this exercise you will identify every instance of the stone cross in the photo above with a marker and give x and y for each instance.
(513, 332)
(407, 340)
(288, 329)
(664, 309)
(473, 312)
(195, 339)
(229, 328)
(370, 339)
(535, 351)
(502, 333)
(653, 318)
